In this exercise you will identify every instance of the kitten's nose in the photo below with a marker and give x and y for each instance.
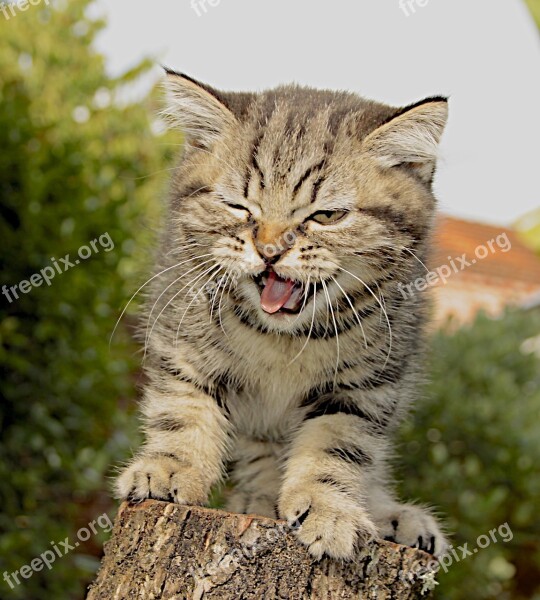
(272, 240)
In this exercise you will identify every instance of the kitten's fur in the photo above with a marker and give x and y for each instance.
(302, 407)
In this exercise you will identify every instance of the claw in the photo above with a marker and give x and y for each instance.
(301, 518)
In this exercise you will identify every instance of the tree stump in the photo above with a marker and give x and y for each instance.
(168, 551)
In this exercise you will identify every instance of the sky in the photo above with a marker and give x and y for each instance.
(484, 55)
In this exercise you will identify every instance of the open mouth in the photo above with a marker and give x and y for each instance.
(279, 295)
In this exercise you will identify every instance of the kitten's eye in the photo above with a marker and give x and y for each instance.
(237, 207)
(326, 217)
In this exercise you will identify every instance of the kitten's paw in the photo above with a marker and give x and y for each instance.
(161, 478)
(326, 521)
(412, 526)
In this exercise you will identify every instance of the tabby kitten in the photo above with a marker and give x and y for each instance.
(277, 342)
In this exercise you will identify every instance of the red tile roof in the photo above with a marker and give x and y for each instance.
(453, 237)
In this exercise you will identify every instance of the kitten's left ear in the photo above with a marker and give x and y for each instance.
(411, 138)
(196, 109)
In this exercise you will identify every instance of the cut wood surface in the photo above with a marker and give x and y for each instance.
(168, 551)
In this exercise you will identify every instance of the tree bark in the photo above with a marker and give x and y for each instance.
(168, 551)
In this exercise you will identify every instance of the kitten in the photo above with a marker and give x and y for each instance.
(277, 340)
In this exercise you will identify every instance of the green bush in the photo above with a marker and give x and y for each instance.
(74, 166)
(473, 450)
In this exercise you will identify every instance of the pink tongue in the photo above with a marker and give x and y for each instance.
(276, 293)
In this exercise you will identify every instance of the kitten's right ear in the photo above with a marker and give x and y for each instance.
(196, 109)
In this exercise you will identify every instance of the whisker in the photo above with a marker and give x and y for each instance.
(219, 282)
(219, 304)
(218, 267)
(415, 257)
(147, 339)
(166, 170)
(326, 327)
(353, 309)
(329, 302)
(381, 298)
(306, 293)
(382, 308)
(310, 328)
(185, 248)
(170, 286)
(140, 289)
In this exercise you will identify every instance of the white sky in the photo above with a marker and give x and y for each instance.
(484, 54)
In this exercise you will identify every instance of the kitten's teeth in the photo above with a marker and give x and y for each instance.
(294, 301)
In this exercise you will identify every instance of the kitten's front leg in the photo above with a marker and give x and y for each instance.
(331, 461)
(185, 447)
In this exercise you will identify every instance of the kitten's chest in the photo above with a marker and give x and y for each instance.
(268, 407)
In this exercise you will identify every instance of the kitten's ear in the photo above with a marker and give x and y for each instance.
(196, 109)
(411, 138)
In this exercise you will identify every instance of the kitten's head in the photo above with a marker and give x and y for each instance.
(301, 195)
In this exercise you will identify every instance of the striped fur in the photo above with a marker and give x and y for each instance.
(299, 408)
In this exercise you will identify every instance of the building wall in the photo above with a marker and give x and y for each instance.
(466, 294)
